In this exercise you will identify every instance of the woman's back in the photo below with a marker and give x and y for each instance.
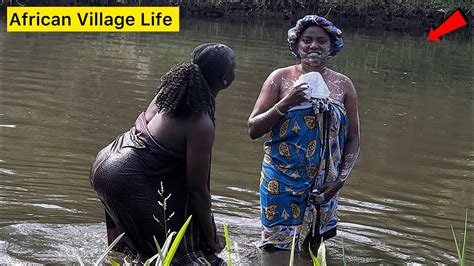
(171, 132)
(154, 176)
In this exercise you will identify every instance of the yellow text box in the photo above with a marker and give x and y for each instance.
(93, 19)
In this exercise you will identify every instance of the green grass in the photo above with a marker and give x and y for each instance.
(344, 262)
(292, 254)
(461, 249)
(166, 253)
(227, 244)
(320, 260)
(176, 242)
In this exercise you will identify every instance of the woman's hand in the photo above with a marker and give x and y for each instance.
(295, 96)
(331, 188)
(269, 107)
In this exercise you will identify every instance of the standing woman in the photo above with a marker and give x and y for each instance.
(310, 151)
(166, 158)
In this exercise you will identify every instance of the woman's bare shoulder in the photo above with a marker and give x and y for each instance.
(343, 80)
(280, 74)
(284, 70)
(341, 77)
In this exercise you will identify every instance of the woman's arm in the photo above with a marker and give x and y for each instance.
(268, 109)
(199, 141)
(351, 149)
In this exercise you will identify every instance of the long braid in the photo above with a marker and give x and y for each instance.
(184, 91)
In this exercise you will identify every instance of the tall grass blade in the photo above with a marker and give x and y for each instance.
(463, 261)
(166, 246)
(457, 245)
(313, 258)
(80, 260)
(227, 244)
(292, 255)
(322, 254)
(344, 262)
(162, 257)
(177, 240)
(150, 260)
(109, 248)
(114, 263)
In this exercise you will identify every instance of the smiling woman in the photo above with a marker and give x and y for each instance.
(39, 20)
(313, 142)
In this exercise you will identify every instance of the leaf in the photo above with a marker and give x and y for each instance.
(102, 257)
(463, 258)
(80, 260)
(457, 246)
(150, 260)
(176, 242)
(315, 260)
(227, 244)
(322, 254)
(162, 258)
(114, 263)
(292, 254)
(343, 253)
(166, 246)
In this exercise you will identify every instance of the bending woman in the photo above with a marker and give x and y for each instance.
(154, 176)
(313, 144)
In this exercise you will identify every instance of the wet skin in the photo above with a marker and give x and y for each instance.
(194, 136)
(278, 92)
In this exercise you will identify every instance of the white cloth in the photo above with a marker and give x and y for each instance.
(316, 92)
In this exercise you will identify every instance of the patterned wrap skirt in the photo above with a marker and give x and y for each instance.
(303, 153)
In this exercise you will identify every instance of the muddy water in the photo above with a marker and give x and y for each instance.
(65, 96)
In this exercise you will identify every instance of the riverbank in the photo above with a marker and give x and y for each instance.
(379, 15)
(398, 15)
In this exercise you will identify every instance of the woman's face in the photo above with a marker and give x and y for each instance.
(314, 47)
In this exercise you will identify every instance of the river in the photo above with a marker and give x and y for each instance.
(65, 96)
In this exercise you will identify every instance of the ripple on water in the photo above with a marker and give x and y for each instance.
(47, 243)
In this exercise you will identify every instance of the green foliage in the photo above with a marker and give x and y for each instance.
(344, 262)
(109, 248)
(320, 260)
(227, 244)
(313, 258)
(176, 242)
(292, 255)
(322, 254)
(461, 249)
(114, 263)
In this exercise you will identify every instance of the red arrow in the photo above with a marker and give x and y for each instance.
(455, 21)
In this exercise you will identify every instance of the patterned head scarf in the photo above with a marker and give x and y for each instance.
(313, 20)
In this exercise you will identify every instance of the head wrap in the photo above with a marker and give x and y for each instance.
(313, 20)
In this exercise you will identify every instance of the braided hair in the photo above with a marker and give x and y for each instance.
(186, 88)
(184, 91)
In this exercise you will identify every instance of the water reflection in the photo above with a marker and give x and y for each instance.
(65, 96)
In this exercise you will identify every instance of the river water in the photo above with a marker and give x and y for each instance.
(65, 96)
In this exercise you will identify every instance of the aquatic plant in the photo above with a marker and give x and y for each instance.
(292, 254)
(104, 254)
(344, 262)
(461, 249)
(162, 203)
(227, 244)
(176, 242)
(320, 260)
(163, 257)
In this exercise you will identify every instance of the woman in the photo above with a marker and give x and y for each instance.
(154, 176)
(310, 152)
